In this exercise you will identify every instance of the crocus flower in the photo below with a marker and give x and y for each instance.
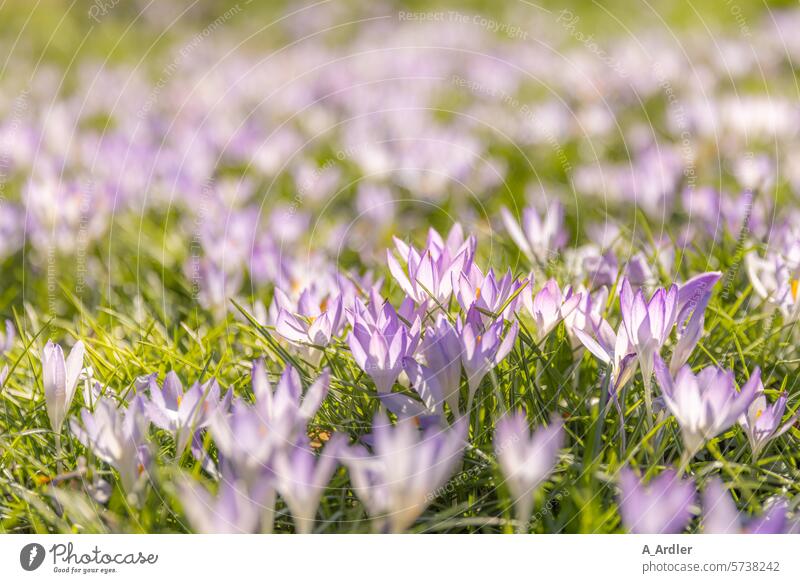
(537, 237)
(426, 411)
(486, 293)
(400, 478)
(482, 348)
(612, 349)
(526, 459)
(379, 344)
(431, 272)
(117, 437)
(705, 404)
(314, 326)
(441, 351)
(775, 278)
(302, 477)
(762, 421)
(661, 507)
(720, 515)
(693, 297)
(184, 412)
(549, 306)
(231, 511)
(7, 338)
(648, 323)
(60, 379)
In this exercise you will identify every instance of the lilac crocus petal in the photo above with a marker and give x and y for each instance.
(720, 515)
(537, 237)
(302, 476)
(7, 338)
(487, 293)
(526, 460)
(661, 507)
(401, 478)
(60, 379)
(762, 421)
(705, 404)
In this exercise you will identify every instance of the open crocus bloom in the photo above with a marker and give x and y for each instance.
(486, 293)
(432, 271)
(720, 515)
(762, 421)
(775, 278)
(549, 306)
(661, 507)
(705, 404)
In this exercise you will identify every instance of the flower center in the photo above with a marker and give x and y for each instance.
(795, 283)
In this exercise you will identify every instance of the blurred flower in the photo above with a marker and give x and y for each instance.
(301, 478)
(60, 379)
(117, 438)
(537, 237)
(705, 404)
(526, 459)
(720, 515)
(400, 478)
(231, 511)
(661, 507)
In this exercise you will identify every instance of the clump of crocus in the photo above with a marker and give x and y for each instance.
(379, 341)
(526, 460)
(549, 306)
(537, 237)
(705, 404)
(183, 412)
(400, 478)
(118, 437)
(60, 379)
(482, 348)
(720, 515)
(762, 421)
(301, 477)
(663, 506)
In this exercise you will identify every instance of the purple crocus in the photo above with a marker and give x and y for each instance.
(612, 349)
(549, 306)
(693, 297)
(648, 323)
(664, 506)
(301, 478)
(705, 404)
(183, 412)
(231, 511)
(379, 342)
(482, 348)
(401, 477)
(60, 379)
(537, 237)
(441, 350)
(117, 437)
(314, 326)
(486, 293)
(430, 272)
(762, 421)
(526, 460)
(720, 515)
